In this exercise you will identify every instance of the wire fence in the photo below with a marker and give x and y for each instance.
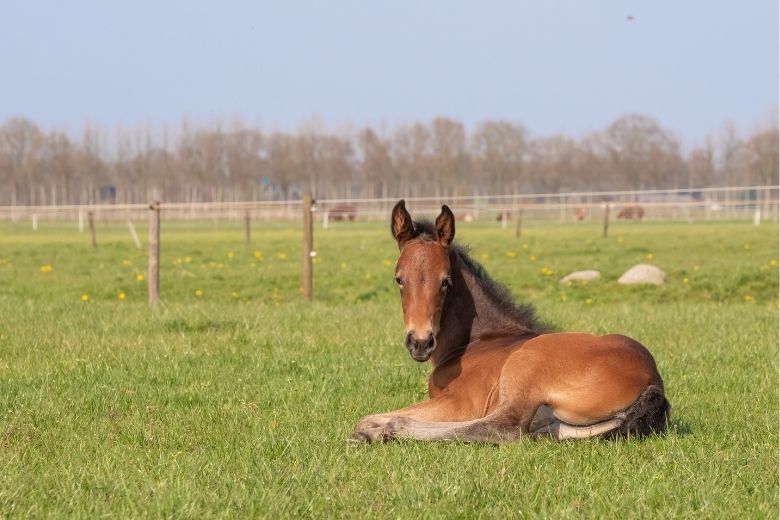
(754, 203)
(732, 203)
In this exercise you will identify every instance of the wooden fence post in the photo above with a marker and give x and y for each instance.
(247, 228)
(91, 218)
(519, 224)
(606, 219)
(308, 246)
(153, 276)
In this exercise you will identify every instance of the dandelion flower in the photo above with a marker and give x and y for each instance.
(484, 256)
(281, 255)
(685, 280)
(259, 255)
(46, 268)
(589, 301)
(749, 299)
(532, 258)
(125, 263)
(198, 292)
(139, 277)
(620, 239)
(343, 265)
(649, 256)
(525, 246)
(234, 294)
(122, 296)
(231, 254)
(511, 254)
(187, 259)
(85, 297)
(387, 263)
(696, 268)
(773, 263)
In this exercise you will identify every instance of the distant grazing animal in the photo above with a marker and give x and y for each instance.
(581, 213)
(500, 216)
(343, 212)
(497, 372)
(632, 213)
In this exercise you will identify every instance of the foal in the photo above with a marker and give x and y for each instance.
(497, 373)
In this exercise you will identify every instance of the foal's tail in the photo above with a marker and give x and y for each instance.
(648, 415)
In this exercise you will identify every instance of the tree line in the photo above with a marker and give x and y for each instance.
(440, 157)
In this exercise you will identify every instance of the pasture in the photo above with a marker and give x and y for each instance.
(234, 398)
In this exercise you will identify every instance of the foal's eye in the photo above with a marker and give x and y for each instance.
(398, 282)
(446, 283)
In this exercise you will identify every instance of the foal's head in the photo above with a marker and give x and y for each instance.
(423, 276)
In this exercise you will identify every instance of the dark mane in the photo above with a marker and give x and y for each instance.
(522, 316)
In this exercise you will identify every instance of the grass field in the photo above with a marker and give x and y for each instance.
(234, 398)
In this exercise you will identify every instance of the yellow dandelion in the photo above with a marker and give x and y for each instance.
(649, 256)
(139, 277)
(281, 256)
(564, 297)
(85, 297)
(220, 266)
(259, 255)
(198, 292)
(773, 263)
(46, 268)
(525, 246)
(532, 258)
(685, 280)
(125, 263)
(620, 239)
(589, 301)
(696, 268)
(387, 263)
(122, 296)
(231, 254)
(484, 256)
(187, 259)
(234, 294)
(343, 265)
(511, 254)
(749, 299)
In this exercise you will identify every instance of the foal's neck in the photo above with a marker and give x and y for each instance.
(470, 311)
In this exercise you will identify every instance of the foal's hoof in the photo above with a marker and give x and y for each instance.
(359, 437)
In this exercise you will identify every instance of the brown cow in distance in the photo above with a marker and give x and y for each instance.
(631, 213)
(343, 212)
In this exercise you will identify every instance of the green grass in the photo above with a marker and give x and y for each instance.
(237, 402)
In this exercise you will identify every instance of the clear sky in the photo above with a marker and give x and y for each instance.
(556, 66)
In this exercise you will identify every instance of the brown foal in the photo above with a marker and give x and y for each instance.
(497, 372)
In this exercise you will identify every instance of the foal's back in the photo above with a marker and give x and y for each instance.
(584, 378)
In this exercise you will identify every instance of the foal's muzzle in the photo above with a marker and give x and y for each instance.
(421, 349)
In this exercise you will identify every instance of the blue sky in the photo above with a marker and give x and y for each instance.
(555, 66)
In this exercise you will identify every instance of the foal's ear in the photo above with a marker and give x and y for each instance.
(445, 226)
(401, 224)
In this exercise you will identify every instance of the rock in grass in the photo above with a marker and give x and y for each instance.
(581, 276)
(643, 274)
